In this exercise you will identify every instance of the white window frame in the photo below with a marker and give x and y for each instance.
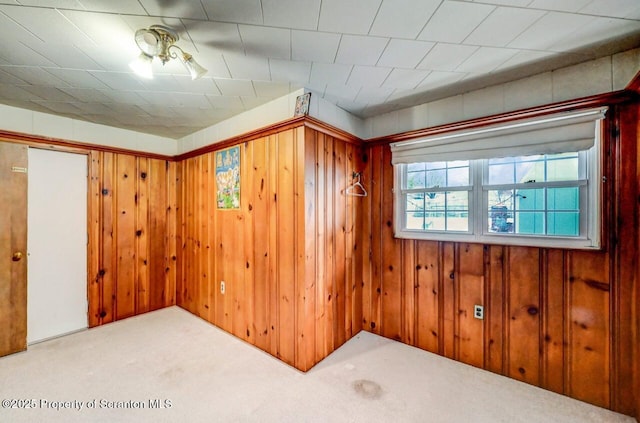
(590, 207)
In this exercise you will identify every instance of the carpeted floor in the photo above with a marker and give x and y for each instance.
(169, 366)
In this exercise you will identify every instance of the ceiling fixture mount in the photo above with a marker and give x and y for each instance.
(157, 41)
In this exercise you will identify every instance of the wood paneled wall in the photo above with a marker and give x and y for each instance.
(286, 256)
(132, 235)
(563, 320)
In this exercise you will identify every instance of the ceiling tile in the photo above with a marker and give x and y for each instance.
(502, 26)
(360, 50)
(161, 83)
(175, 99)
(48, 93)
(87, 95)
(203, 85)
(24, 56)
(64, 56)
(14, 92)
(118, 80)
(299, 14)
(239, 11)
(344, 92)
(9, 78)
(266, 42)
(125, 98)
(404, 53)
(58, 29)
(60, 107)
(593, 32)
(519, 3)
(336, 74)
(549, 29)
(314, 46)
(446, 57)
(253, 102)
(12, 31)
(454, 21)
(286, 70)
(176, 9)
(248, 67)
(486, 59)
(271, 89)
(613, 8)
(226, 102)
(437, 79)
(77, 78)
(368, 76)
(524, 57)
(35, 76)
(103, 28)
(349, 17)
(404, 78)
(403, 18)
(220, 36)
(231, 87)
(377, 96)
(560, 6)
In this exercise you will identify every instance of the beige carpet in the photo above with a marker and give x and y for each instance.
(199, 373)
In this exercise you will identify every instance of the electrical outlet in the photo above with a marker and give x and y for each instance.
(478, 312)
(222, 287)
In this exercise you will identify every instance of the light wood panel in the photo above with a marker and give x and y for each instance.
(132, 259)
(286, 256)
(560, 319)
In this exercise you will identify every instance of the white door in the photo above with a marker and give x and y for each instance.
(56, 244)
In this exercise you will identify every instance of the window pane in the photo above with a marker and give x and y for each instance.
(415, 180)
(415, 220)
(435, 221)
(501, 198)
(415, 202)
(500, 220)
(530, 223)
(530, 199)
(458, 221)
(562, 170)
(563, 198)
(436, 178)
(567, 224)
(434, 201)
(501, 160)
(530, 172)
(501, 174)
(457, 200)
(414, 167)
(436, 165)
(458, 176)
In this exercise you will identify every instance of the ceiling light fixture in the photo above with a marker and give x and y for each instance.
(157, 41)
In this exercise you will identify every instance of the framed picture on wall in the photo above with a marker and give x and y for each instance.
(302, 105)
(228, 178)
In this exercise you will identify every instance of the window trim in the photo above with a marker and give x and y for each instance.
(478, 233)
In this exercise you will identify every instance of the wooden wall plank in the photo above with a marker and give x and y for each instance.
(141, 225)
(329, 245)
(495, 309)
(523, 273)
(589, 335)
(126, 235)
(171, 235)
(340, 266)
(323, 265)
(448, 286)
(470, 335)
(260, 202)
(247, 306)
(552, 334)
(94, 213)
(428, 295)
(109, 259)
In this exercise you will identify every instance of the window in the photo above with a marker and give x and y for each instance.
(549, 196)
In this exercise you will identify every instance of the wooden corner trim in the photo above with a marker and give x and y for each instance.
(634, 84)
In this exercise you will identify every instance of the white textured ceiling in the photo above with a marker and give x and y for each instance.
(70, 57)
